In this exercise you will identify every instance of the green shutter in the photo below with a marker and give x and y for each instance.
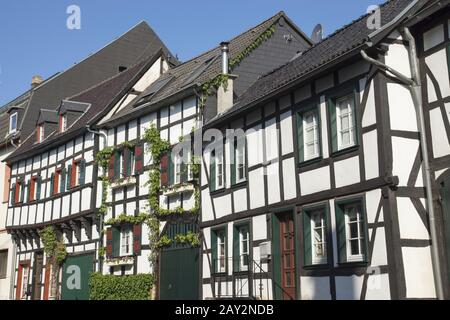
(52, 183)
(355, 114)
(38, 188)
(301, 150)
(214, 250)
(116, 242)
(212, 172)
(82, 176)
(28, 191)
(13, 193)
(366, 232)
(236, 264)
(307, 245)
(333, 125)
(233, 164)
(63, 180)
(171, 170)
(68, 179)
(117, 165)
(341, 238)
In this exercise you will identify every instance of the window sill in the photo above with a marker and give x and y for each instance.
(180, 188)
(310, 161)
(360, 263)
(345, 151)
(323, 265)
(238, 185)
(123, 182)
(120, 261)
(217, 191)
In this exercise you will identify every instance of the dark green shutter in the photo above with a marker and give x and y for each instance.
(333, 125)
(171, 170)
(69, 178)
(214, 250)
(212, 172)
(28, 191)
(236, 257)
(52, 183)
(117, 165)
(307, 245)
(233, 164)
(301, 146)
(22, 193)
(341, 237)
(366, 232)
(116, 242)
(13, 193)
(63, 179)
(355, 114)
(82, 176)
(38, 188)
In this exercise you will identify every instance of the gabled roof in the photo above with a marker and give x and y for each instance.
(135, 45)
(98, 99)
(200, 69)
(47, 116)
(335, 46)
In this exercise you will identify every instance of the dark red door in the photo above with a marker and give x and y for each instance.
(287, 256)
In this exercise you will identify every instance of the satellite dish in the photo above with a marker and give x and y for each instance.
(317, 34)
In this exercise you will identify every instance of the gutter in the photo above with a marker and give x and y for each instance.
(415, 87)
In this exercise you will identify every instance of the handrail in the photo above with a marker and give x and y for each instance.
(275, 282)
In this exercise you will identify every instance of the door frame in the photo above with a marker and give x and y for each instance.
(276, 252)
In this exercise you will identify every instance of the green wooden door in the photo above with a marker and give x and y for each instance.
(179, 274)
(75, 277)
(445, 196)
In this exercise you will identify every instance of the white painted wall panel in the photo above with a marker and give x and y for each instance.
(348, 288)
(411, 226)
(320, 177)
(435, 62)
(259, 228)
(287, 142)
(207, 210)
(404, 153)
(175, 112)
(65, 206)
(271, 142)
(440, 143)
(222, 205)
(132, 130)
(315, 288)
(256, 185)
(240, 200)
(418, 273)
(255, 146)
(86, 199)
(401, 108)
(289, 183)
(397, 57)
(76, 202)
(433, 37)
(369, 116)
(189, 107)
(347, 172)
(370, 144)
(273, 183)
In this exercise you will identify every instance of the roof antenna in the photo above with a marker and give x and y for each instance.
(317, 34)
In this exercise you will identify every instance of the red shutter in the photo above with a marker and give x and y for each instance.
(164, 170)
(139, 158)
(32, 188)
(109, 243)
(56, 182)
(111, 167)
(73, 175)
(137, 234)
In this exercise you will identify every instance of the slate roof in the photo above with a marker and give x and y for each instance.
(334, 46)
(201, 68)
(99, 98)
(127, 50)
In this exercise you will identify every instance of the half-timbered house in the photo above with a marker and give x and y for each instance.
(175, 105)
(325, 193)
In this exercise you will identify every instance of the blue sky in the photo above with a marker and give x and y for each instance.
(34, 38)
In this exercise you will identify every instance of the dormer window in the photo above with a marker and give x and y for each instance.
(40, 133)
(13, 123)
(63, 122)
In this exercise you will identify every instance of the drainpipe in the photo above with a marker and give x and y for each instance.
(105, 138)
(415, 86)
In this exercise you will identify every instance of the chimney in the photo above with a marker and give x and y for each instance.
(35, 81)
(225, 93)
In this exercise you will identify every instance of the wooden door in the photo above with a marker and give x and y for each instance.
(37, 276)
(287, 256)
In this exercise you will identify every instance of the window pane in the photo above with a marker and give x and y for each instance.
(353, 230)
(354, 249)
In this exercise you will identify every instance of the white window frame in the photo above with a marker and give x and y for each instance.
(64, 122)
(240, 159)
(360, 229)
(126, 239)
(221, 251)
(189, 166)
(133, 162)
(323, 230)
(41, 133)
(316, 135)
(121, 167)
(25, 279)
(14, 115)
(352, 125)
(242, 253)
(177, 165)
(219, 164)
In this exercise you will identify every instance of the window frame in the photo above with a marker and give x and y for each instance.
(238, 241)
(309, 259)
(352, 129)
(315, 259)
(63, 122)
(311, 106)
(33, 187)
(215, 246)
(348, 237)
(239, 149)
(126, 231)
(5, 274)
(219, 155)
(15, 115)
(40, 133)
(342, 226)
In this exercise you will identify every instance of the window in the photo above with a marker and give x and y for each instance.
(24, 286)
(315, 235)
(33, 189)
(178, 167)
(345, 116)
(352, 231)
(13, 123)
(219, 250)
(3, 263)
(126, 241)
(221, 246)
(242, 244)
(308, 134)
(18, 192)
(40, 134)
(219, 169)
(63, 122)
(238, 173)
